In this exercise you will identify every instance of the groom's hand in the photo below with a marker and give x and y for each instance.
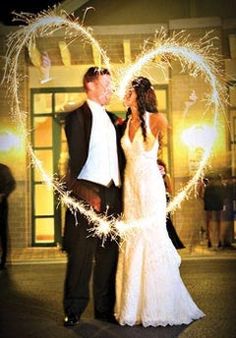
(95, 202)
(83, 190)
(89, 195)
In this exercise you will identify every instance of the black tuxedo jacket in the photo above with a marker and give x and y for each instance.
(78, 124)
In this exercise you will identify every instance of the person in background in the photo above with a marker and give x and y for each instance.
(169, 225)
(229, 212)
(7, 185)
(213, 193)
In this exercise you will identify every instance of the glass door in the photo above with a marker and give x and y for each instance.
(49, 107)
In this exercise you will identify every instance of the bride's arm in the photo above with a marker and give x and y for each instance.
(158, 125)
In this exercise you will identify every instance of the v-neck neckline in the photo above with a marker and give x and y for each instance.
(128, 129)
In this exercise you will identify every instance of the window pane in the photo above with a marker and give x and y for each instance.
(44, 230)
(43, 131)
(43, 200)
(161, 99)
(68, 101)
(45, 157)
(232, 45)
(232, 95)
(164, 155)
(64, 155)
(63, 217)
(42, 103)
(164, 140)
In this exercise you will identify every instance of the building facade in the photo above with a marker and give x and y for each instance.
(51, 71)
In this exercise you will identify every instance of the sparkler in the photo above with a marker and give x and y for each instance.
(199, 59)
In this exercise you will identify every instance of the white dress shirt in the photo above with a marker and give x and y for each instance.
(102, 163)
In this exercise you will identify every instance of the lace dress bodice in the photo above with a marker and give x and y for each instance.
(141, 162)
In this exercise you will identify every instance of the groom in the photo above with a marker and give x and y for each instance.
(94, 178)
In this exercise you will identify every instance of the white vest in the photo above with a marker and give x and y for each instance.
(101, 165)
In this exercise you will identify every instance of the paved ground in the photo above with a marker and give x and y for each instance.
(31, 294)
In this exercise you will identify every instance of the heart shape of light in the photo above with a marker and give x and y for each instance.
(196, 58)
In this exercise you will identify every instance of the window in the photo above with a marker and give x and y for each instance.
(49, 107)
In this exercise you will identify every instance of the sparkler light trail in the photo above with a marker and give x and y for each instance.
(200, 59)
(197, 58)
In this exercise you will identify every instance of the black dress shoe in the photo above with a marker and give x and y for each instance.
(106, 318)
(71, 320)
(112, 319)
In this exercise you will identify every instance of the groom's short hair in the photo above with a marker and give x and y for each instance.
(93, 73)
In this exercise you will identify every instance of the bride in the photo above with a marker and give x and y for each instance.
(149, 288)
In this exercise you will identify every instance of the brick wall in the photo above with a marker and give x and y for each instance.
(190, 217)
(15, 157)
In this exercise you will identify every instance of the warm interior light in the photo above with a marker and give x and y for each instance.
(9, 141)
(201, 136)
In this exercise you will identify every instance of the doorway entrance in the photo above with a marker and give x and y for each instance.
(49, 107)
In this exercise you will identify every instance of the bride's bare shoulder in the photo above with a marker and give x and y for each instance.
(158, 123)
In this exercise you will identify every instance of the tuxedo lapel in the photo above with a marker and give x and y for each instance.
(78, 125)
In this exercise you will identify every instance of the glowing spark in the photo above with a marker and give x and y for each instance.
(192, 100)
(45, 24)
(198, 60)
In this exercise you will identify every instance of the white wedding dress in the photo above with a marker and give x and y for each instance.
(149, 288)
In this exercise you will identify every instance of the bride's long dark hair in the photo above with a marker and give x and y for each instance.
(146, 100)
